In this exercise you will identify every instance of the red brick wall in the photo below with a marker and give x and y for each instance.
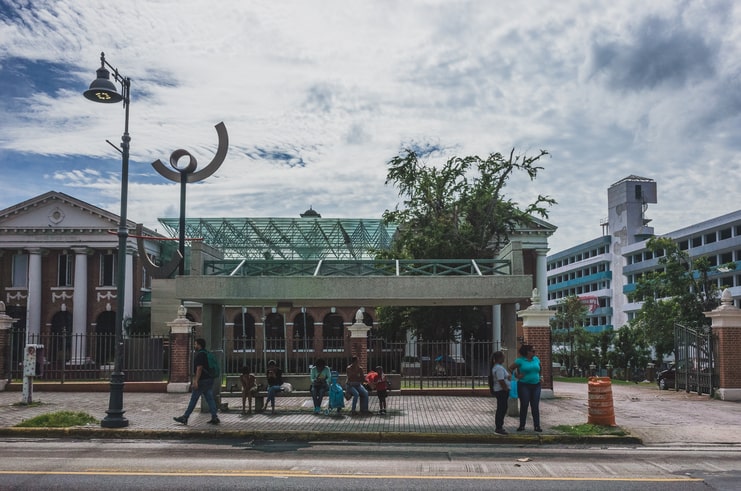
(727, 358)
(180, 350)
(540, 338)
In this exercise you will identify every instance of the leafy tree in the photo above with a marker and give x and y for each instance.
(630, 350)
(457, 210)
(677, 293)
(570, 316)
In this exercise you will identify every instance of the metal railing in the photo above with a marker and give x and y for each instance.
(89, 357)
(422, 365)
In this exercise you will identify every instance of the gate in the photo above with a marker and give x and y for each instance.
(694, 362)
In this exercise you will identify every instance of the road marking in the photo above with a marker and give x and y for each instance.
(304, 474)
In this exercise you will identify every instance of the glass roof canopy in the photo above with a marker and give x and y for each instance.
(288, 238)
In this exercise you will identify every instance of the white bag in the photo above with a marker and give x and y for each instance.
(286, 387)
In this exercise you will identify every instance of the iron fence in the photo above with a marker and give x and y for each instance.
(695, 369)
(89, 357)
(422, 364)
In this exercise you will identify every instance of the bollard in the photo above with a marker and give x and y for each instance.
(601, 409)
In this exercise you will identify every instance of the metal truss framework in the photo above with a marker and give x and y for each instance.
(288, 239)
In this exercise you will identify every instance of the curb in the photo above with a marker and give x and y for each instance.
(314, 436)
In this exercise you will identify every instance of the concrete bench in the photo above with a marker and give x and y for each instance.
(301, 387)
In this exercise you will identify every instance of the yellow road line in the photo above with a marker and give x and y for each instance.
(304, 474)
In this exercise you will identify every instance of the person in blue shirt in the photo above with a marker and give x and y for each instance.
(527, 369)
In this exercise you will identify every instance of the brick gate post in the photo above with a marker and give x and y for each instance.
(536, 330)
(359, 340)
(5, 323)
(181, 330)
(727, 330)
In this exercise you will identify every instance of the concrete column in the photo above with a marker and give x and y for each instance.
(79, 306)
(541, 275)
(727, 328)
(536, 330)
(496, 326)
(132, 291)
(6, 322)
(359, 339)
(34, 300)
(180, 350)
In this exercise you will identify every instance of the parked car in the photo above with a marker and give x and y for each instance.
(666, 378)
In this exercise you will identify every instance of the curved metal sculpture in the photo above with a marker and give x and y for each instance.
(184, 175)
(152, 269)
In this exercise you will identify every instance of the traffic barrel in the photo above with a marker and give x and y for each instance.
(601, 409)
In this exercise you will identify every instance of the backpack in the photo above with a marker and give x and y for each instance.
(213, 365)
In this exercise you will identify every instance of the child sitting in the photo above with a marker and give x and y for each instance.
(378, 381)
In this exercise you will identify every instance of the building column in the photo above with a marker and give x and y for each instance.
(181, 347)
(132, 291)
(727, 328)
(541, 275)
(6, 322)
(496, 326)
(536, 330)
(34, 301)
(79, 307)
(359, 339)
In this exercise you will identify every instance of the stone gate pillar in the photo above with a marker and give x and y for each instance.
(536, 330)
(359, 340)
(180, 350)
(5, 324)
(727, 330)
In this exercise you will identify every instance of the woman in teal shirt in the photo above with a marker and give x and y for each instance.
(527, 367)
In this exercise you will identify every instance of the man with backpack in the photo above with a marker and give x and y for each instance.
(205, 369)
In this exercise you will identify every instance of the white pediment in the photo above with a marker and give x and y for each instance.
(56, 211)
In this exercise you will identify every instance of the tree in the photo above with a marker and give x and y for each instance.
(677, 293)
(570, 316)
(455, 211)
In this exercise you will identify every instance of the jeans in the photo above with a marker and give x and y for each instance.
(502, 396)
(205, 389)
(318, 391)
(529, 396)
(357, 390)
(272, 390)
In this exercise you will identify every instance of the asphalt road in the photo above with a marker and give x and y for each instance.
(239, 464)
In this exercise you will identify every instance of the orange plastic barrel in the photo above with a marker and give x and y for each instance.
(601, 410)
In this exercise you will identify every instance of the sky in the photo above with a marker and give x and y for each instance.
(318, 96)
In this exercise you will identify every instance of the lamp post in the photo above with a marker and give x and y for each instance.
(103, 90)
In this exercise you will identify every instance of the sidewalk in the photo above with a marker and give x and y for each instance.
(649, 416)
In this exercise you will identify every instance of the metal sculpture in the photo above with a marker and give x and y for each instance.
(185, 175)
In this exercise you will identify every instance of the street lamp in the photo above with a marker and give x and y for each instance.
(103, 90)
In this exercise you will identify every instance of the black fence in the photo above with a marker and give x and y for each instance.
(89, 357)
(422, 364)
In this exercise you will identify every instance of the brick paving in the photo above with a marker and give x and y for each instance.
(649, 415)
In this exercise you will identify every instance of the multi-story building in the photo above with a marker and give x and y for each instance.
(603, 271)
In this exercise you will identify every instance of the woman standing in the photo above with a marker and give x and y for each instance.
(500, 387)
(528, 385)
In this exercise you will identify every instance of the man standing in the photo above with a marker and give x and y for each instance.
(203, 383)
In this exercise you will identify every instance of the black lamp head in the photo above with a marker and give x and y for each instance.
(102, 89)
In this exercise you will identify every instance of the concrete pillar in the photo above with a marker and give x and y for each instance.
(181, 347)
(496, 326)
(359, 339)
(34, 300)
(132, 291)
(79, 306)
(536, 330)
(541, 275)
(6, 322)
(727, 329)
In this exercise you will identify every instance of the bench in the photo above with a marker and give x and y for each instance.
(301, 387)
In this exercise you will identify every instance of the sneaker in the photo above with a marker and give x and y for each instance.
(317, 410)
(181, 419)
(214, 421)
(538, 429)
(500, 431)
(520, 428)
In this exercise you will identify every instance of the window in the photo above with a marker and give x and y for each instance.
(107, 277)
(244, 332)
(639, 192)
(710, 238)
(303, 332)
(64, 270)
(333, 331)
(726, 257)
(725, 233)
(696, 241)
(20, 271)
(684, 245)
(274, 334)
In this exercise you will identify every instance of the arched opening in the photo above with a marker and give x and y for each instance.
(104, 346)
(333, 330)
(303, 332)
(275, 335)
